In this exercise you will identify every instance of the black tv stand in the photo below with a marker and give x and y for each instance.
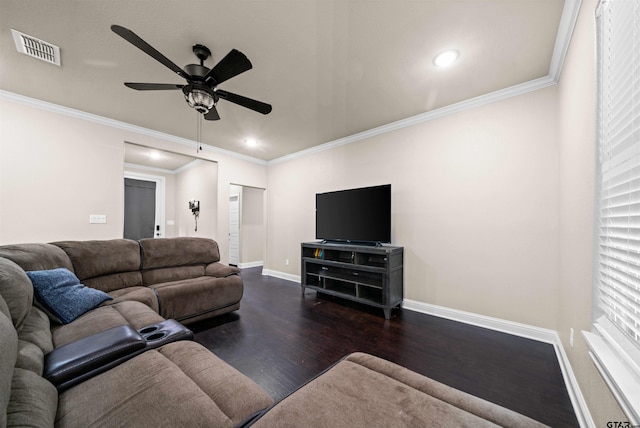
(372, 275)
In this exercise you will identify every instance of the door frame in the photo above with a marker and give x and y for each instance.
(239, 219)
(160, 198)
(241, 206)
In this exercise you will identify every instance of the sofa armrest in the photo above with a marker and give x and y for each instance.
(77, 361)
(219, 270)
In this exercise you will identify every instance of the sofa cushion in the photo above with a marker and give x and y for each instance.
(156, 276)
(191, 386)
(33, 402)
(9, 347)
(136, 314)
(181, 300)
(61, 292)
(36, 256)
(136, 294)
(183, 251)
(114, 281)
(30, 357)
(4, 309)
(98, 258)
(16, 290)
(219, 270)
(363, 390)
(36, 330)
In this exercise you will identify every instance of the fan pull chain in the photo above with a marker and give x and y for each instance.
(199, 133)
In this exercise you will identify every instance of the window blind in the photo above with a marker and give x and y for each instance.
(618, 269)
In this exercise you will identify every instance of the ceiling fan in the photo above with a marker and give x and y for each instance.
(201, 91)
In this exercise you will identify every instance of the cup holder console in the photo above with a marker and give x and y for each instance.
(148, 330)
(156, 336)
(165, 332)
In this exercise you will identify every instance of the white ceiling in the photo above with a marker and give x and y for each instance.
(330, 68)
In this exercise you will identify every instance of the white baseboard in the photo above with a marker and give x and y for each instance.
(575, 394)
(281, 275)
(518, 329)
(250, 264)
(523, 330)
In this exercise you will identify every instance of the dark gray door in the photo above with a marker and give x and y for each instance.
(139, 208)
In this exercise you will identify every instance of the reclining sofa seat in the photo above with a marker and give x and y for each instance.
(188, 278)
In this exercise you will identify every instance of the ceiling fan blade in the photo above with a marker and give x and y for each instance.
(213, 114)
(234, 63)
(255, 105)
(135, 40)
(152, 86)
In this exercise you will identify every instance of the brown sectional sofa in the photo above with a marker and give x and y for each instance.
(180, 383)
(174, 384)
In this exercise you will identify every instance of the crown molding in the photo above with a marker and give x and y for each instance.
(183, 168)
(568, 21)
(129, 165)
(523, 88)
(94, 118)
(190, 165)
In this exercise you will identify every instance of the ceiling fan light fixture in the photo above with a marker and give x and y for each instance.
(201, 90)
(200, 98)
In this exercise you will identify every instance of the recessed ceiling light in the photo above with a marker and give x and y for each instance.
(155, 155)
(446, 58)
(251, 142)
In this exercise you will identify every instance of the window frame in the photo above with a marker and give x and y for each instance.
(616, 355)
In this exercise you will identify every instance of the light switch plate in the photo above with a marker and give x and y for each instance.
(97, 218)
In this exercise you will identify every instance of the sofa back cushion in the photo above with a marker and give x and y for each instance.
(178, 273)
(105, 265)
(116, 281)
(171, 252)
(9, 346)
(16, 290)
(36, 256)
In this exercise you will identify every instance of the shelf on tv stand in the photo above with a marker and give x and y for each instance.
(372, 275)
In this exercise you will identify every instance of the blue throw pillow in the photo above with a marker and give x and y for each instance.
(62, 294)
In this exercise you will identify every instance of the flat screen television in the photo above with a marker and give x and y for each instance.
(361, 216)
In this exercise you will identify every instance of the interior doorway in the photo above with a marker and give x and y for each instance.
(247, 226)
(139, 209)
(144, 207)
(180, 178)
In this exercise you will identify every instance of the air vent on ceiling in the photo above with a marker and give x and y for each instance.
(36, 48)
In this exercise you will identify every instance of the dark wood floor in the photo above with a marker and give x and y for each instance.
(280, 340)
